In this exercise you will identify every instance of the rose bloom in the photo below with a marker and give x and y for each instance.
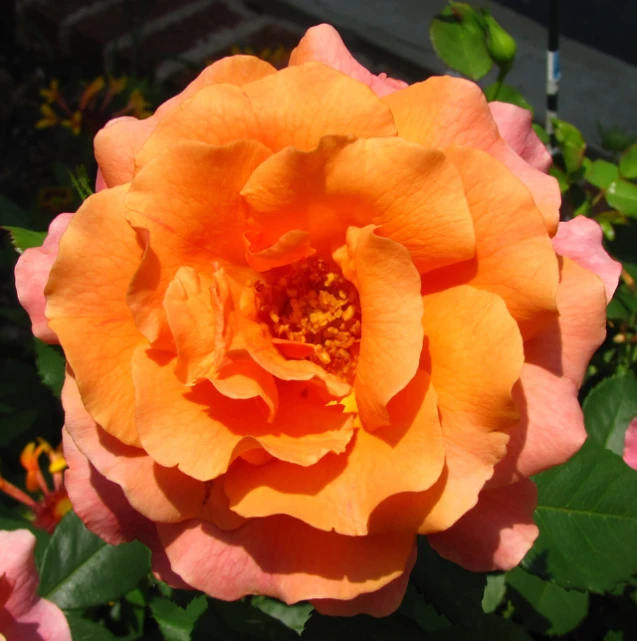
(23, 614)
(311, 314)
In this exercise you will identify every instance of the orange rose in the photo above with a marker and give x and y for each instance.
(311, 314)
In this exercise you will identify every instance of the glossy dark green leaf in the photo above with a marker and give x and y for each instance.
(177, 623)
(85, 630)
(571, 144)
(415, 607)
(292, 616)
(80, 570)
(543, 606)
(507, 93)
(25, 238)
(601, 173)
(11, 214)
(458, 36)
(609, 408)
(587, 515)
(622, 195)
(51, 364)
(453, 591)
(628, 162)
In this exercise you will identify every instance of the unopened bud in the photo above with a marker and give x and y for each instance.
(500, 45)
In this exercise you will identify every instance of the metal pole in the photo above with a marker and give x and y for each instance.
(552, 70)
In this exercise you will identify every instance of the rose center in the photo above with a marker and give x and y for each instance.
(312, 302)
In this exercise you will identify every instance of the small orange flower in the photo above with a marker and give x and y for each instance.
(74, 123)
(90, 92)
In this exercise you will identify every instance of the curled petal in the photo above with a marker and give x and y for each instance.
(515, 126)
(324, 44)
(315, 565)
(580, 240)
(457, 113)
(496, 533)
(32, 273)
(86, 296)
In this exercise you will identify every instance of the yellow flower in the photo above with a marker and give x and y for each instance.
(51, 94)
(49, 119)
(74, 123)
(91, 91)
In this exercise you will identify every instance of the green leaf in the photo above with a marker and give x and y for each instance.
(494, 592)
(25, 238)
(80, 570)
(293, 616)
(458, 36)
(176, 623)
(543, 606)
(491, 628)
(622, 195)
(51, 365)
(453, 591)
(415, 607)
(587, 515)
(608, 410)
(85, 630)
(628, 162)
(507, 93)
(601, 173)
(571, 144)
(540, 132)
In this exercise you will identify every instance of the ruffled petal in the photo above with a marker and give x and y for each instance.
(25, 615)
(581, 240)
(340, 493)
(413, 195)
(324, 44)
(283, 558)
(295, 107)
(187, 210)
(159, 493)
(514, 255)
(442, 111)
(32, 273)
(388, 285)
(378, 604)
(86, 297)
(117, 144)
(496, 533)
(214, 430)
(515, 126)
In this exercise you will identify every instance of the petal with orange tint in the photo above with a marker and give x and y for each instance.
(294, 107)
(566, 345)
(299, 105)
(496, 533)
(324, 44)
(290, 247)
(32, 273)
(340, 492)
(378, 604)
(414, 195)
(514, 255)
(580, 240)
(391, 310)
(197, 326)
(283, 558)
(474, 351)
(202, 431)
(86, 308)
(159, 493)
(442, 111)
(515, 126)
(188, 207)
(117, 144)
(243, 379)
(551, 428)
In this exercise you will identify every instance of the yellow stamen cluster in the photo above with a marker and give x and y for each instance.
(311, 302)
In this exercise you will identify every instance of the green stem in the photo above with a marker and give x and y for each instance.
(502, 74)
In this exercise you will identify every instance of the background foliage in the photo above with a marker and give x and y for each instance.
(579, 582)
